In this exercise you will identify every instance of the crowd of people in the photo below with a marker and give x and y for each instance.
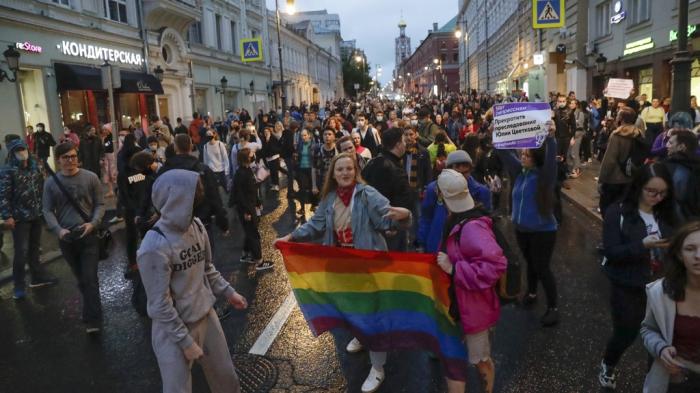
(418, 175)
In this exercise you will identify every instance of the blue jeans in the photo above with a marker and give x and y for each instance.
(82, 256)
(24, 234)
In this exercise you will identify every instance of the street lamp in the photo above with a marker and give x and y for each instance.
(12, 58)
(458, 32)
(290, 8)
(600, 63)
(222, 90)
(159, 73)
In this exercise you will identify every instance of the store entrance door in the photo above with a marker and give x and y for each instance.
(163, 107)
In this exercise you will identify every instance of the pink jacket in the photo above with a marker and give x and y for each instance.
(478, 264)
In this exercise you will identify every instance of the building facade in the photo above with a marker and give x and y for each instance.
(195, 43)
(500, 52)
(433, 69)
(638, 39)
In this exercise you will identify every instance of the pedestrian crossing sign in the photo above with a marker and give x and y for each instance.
(547, 13)
(251, 49)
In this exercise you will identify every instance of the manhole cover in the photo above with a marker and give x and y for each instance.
(257, 373)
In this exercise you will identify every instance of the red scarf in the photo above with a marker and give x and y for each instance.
(345, 193)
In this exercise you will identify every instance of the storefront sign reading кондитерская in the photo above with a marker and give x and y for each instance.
(96, 52)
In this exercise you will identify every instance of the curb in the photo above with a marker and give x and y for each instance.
(585, 209)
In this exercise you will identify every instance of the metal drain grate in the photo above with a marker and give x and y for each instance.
(257, 373)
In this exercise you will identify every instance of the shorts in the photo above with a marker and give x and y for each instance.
(478, 346)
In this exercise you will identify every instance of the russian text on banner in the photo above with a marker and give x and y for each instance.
(390, 301)
(520, 125)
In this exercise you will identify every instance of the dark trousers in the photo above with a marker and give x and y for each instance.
(82, 257)
(563, 147)
(397, 242)
(653, 131)
(627, 308)
(274, 167)
(221, 179)
(289, 163)
(586, 152)
(251, 236)
(132, 236)
(609, 194)
(24, 234)
(690, 385)
(537, 248)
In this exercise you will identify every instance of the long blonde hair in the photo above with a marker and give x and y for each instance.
(330, 184)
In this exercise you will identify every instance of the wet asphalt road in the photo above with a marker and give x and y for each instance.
(43, 347)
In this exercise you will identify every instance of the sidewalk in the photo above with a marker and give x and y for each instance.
(583, 191)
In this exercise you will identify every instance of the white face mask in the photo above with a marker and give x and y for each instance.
(66, 132)
(22, 155)
(360, 123)
(121, 140)
(153, 147)
(380, 118)
(414, 122)
(39, 129)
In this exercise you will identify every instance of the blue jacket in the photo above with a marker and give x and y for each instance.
(434, 214)
(368, 223)
(525, 214)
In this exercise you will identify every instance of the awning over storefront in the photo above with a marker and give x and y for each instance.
(78, 77)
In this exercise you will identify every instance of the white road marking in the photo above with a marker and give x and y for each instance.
(273, 328)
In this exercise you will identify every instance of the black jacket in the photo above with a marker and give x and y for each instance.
(272, 146)
(628, 262)
(287, 143)
(212, 205)
(90, 152)
(43, 141)
(386, 173)
(565, 122)
(245, 191)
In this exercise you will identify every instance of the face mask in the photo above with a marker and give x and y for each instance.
(153, 147)
(121, 140)
(380, 118)
(39, 129)
(414, 122)
(66, 132)
(360, 123)
(562, 106)
(22, 155)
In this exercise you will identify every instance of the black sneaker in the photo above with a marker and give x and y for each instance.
(607, 377)
(529, 300)
(550, 318)
(43, 282)
(265, 265)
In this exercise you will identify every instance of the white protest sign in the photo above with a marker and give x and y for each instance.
(520, 125)
(619, 88)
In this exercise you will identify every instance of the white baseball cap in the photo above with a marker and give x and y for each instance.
(454, 191)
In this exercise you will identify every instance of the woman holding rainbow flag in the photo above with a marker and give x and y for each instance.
(355, 215)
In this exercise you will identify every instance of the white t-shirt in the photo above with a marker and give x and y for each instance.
(651, 223)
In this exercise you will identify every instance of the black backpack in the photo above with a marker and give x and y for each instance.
(639, 152)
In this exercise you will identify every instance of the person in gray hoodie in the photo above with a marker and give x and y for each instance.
(175, 262)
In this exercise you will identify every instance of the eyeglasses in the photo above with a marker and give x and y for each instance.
(654, 193)
(71, 157)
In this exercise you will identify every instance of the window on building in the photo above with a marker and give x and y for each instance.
(253, 33)
(195, 33)
(455, 57)
(234, 38)
(443, 45)
(218, 31)
(639, 11)
(62, 2)
(115, 10)
(443, 58)
(602, 18)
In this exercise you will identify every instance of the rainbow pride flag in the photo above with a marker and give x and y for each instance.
(388, 300)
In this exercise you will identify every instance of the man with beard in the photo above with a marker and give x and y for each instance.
(684, 165)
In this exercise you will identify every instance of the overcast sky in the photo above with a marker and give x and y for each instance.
(373, 23)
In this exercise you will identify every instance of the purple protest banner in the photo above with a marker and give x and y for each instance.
(520, 125)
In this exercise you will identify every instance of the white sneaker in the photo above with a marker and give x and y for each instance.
(354, 346)
(374, 380)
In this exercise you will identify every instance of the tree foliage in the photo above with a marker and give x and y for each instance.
(354, 72)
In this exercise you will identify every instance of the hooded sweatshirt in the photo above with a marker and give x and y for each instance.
(176, 265)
